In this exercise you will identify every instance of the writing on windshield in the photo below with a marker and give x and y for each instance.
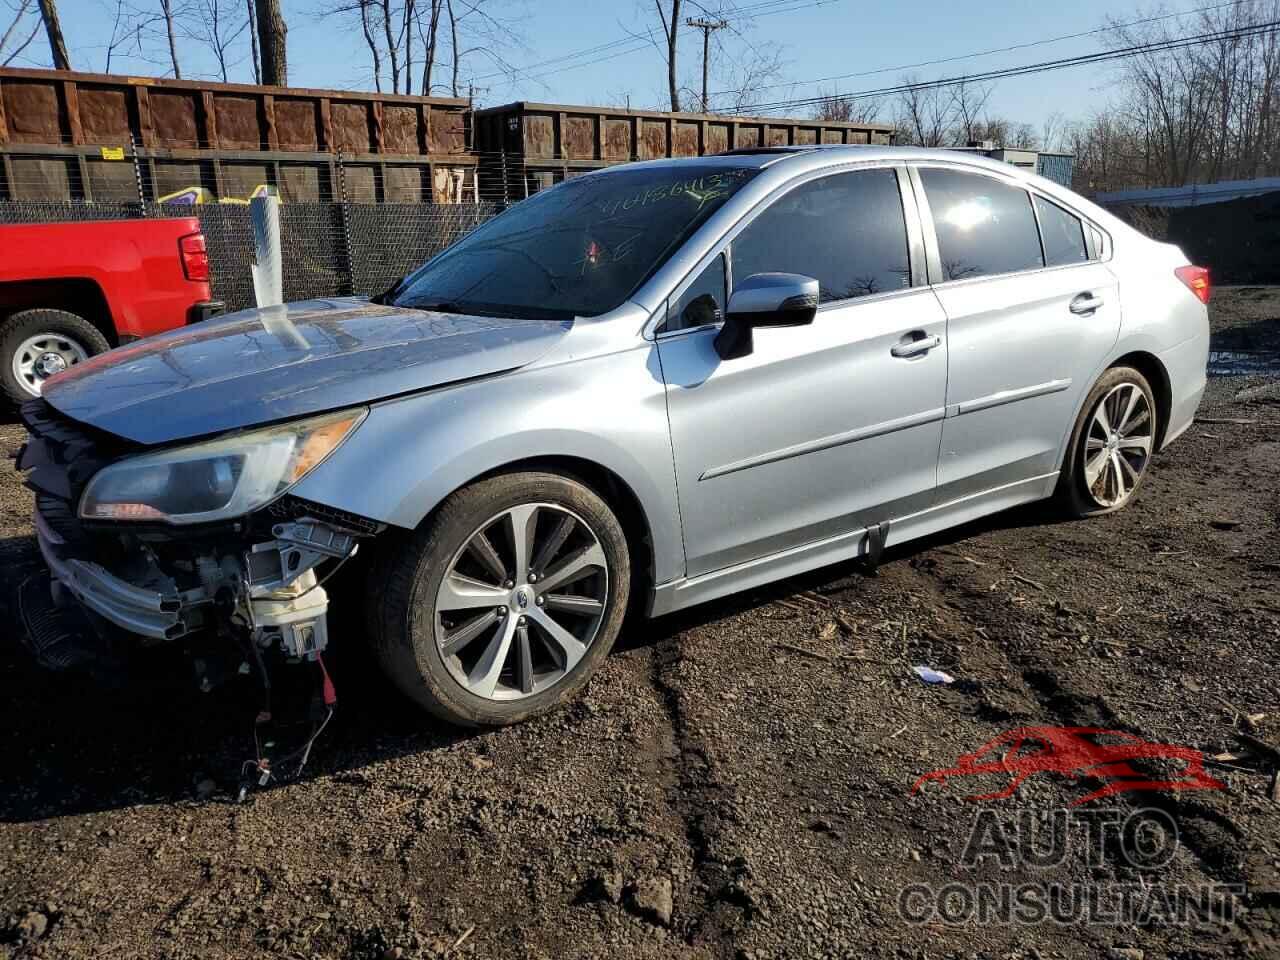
(579, 249)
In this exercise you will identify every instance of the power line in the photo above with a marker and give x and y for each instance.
(624, 46)
(995, 50)
(634, 44)
(1261, 29)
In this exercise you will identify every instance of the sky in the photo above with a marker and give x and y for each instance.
(815, 40)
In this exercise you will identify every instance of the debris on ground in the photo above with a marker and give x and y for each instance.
(929, 675)
(650, 897)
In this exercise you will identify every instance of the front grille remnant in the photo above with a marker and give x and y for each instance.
(290, 507)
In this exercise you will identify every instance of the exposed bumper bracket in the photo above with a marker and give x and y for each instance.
(140, 611)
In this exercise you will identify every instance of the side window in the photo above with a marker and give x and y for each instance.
(984, 226)
(846, 231)
(1063, 234)
(702, 301)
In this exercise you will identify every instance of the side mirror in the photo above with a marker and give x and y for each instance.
(765, 300)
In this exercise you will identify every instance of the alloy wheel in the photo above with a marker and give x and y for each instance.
(41, 356)
(521, 601)
(1118, 445)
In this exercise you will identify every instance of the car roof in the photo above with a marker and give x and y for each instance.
(824, 154)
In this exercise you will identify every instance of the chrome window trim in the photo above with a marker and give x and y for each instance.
(723, 243)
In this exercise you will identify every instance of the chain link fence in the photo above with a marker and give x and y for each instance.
(329, 249)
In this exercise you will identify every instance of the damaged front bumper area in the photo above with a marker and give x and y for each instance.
(255, 580)
(144, 612)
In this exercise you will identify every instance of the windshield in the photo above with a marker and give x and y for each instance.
(579, 249)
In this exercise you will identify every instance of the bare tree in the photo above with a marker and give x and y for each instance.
(669, 16)
(744, 75)
(253, 42)
(994, 130)
(272, 36)
(17, 37)
(212, 24)
(485, 29)
(169, 14)
(428, 36)
(834, 106)
(393, 42)
(453, 43)
(1022, 136)
(125, 33)
(1192, 113)
(1052, 130)
(53, 27)
(924, 114)
(403, 35)
(968, 102)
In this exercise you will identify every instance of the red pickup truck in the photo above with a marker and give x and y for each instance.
(71, 290)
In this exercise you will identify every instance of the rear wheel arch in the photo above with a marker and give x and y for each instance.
(79, 295)
(1150, 366)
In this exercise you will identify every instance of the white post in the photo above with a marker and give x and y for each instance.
(268, 275)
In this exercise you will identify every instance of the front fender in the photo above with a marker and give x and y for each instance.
(609, 410)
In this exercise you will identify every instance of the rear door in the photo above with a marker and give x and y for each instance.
(1031, 314)
(825, 428)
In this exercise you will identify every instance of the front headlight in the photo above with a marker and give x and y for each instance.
(215, 480)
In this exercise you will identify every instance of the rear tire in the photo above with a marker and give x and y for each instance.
(519, 651)
(1111, 446)
(34, 344)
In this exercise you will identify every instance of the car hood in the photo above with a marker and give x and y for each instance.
(277, 363)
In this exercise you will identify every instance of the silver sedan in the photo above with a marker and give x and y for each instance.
(637, 391)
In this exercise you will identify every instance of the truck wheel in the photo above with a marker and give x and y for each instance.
(504, 602)
(36, 344)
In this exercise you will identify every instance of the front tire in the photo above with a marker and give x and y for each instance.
(1111, 445)
(36, 344)
(504, 602)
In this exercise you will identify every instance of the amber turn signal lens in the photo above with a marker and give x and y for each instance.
(318, 444)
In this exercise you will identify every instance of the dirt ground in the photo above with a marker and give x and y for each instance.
(755, 757)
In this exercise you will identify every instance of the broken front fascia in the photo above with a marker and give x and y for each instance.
(166, 588)
(193, 539)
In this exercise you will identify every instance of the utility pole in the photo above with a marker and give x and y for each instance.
(706, 26)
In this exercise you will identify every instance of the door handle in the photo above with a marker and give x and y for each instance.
(913, 348)
(1085, 303)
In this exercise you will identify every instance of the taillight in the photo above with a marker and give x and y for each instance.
(195, 257)
(1197, 281)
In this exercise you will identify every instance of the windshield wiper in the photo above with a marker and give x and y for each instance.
(441, 306)
(386, 295)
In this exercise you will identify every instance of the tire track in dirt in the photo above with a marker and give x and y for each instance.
(704, 805)
(1218, 843)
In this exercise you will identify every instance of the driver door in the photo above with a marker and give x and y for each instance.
(826, 428)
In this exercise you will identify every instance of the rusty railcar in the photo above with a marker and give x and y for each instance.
(524, 147)
(80, 136)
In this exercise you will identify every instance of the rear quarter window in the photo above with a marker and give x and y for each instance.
(1063, 234)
